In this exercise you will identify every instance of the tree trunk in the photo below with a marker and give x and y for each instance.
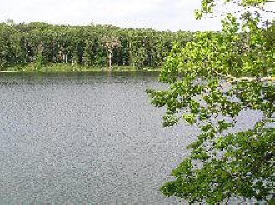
(110, 59)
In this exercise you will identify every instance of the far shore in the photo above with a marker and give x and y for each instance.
(65, 68)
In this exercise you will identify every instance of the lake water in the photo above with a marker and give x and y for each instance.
(89, 138)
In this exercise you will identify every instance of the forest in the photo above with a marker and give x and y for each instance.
(93, 45)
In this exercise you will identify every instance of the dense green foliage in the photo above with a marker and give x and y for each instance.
(212, 79)
(43, 43)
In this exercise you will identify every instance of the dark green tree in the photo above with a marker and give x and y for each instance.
(84, 45)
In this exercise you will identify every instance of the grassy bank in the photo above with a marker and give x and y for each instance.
(62, 67)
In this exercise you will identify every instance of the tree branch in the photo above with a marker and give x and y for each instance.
(233, 79)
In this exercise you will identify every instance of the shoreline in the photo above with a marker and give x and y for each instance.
(61, 68)
(84, 71)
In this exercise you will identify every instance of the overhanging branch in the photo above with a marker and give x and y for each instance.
(233, 79)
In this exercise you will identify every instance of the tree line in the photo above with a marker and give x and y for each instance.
(93, 45)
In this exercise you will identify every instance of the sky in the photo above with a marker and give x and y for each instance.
(171, 15)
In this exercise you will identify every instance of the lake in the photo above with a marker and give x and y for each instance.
(90, 138)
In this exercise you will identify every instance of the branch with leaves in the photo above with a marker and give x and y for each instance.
(212, 79)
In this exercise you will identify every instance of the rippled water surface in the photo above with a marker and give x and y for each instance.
(84, 139)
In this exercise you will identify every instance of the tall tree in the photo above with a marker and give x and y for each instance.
(111, 43)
